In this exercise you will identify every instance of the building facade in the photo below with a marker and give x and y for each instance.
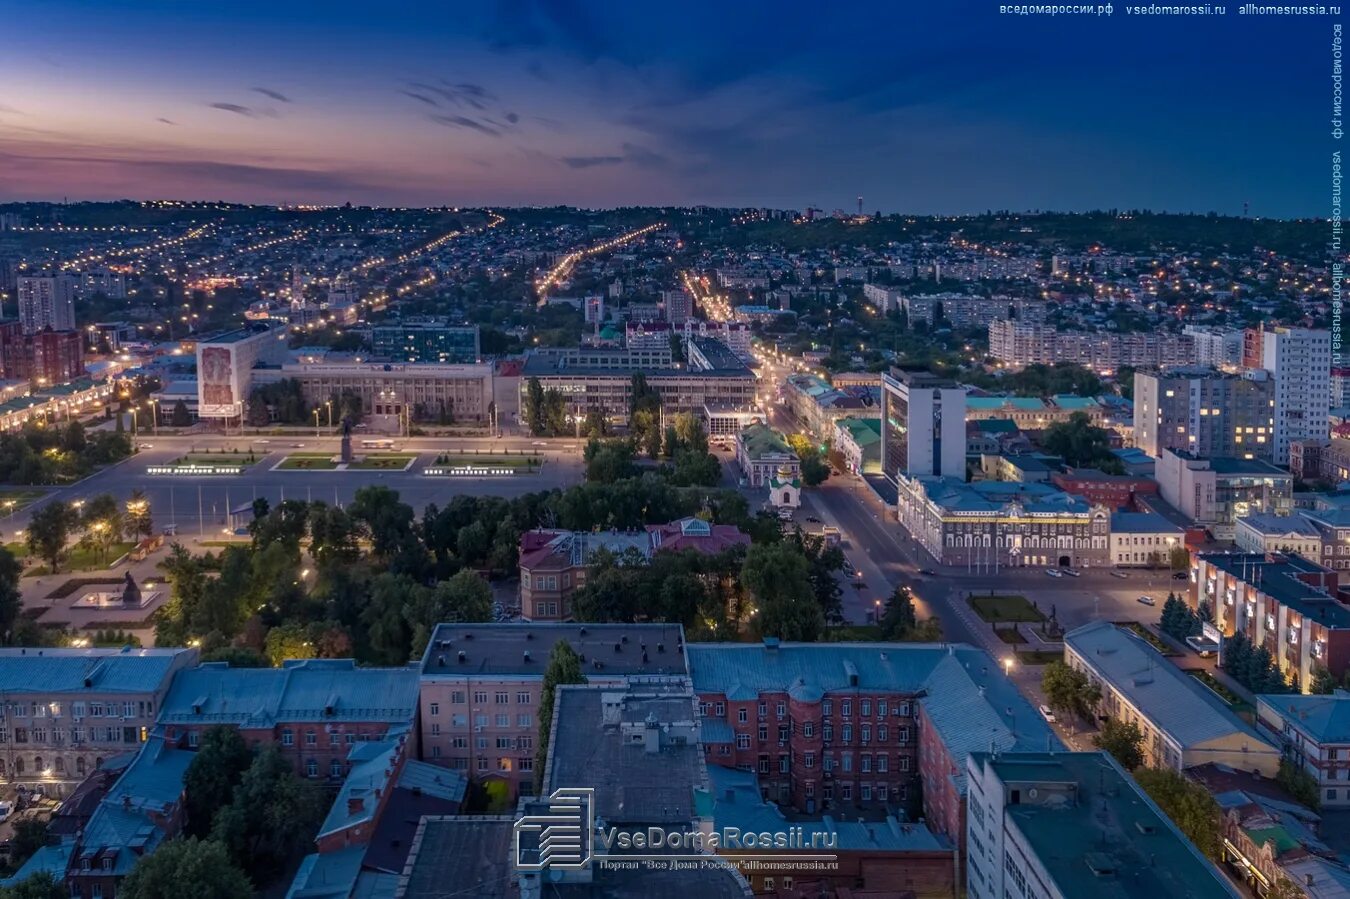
(923, 426)
(416, 341)
(1205, 412)
(398, 392)
(46, 301)
(1017, 344)
(57, 357)
(1314, 732)
(761, 452)
(1215, 493)
(1300, 362)
(225, 367)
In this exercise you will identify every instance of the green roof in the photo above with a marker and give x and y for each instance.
(1282, 839)
(863, 431)
(761, 440)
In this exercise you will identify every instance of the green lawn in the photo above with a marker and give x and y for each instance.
(393, 461)
(456, 460)
(1237, 702)
(241, 459)
(79, 559)
(17, 550)
(308, 462)
(1038, 656)
(1004, 608)
(1010, 635)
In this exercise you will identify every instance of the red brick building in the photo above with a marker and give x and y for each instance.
(1116, 492)
(56, 357)
(315, 710)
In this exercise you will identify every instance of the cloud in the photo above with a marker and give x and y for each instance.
(235, 108)
(420, 98)
(459, 121)
(589, 162)
(275, 95)
(511, 117)
(643, 156)
(166, 121)
(9, 110)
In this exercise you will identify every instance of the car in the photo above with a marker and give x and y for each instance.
(297, 446)
(1180, 576)
(1049, 715)
(1072, 572)
(538, 443)
(1148, 600)
(928, 571)
(1053, 572)
(6, 809)
(145, 446)
(262, 440)
(1120, 574)
(813, 519)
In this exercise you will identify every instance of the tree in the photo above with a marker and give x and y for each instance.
(1081, 444)
(1179, 557)
(463, 598)
(190, 867)
(778, 577)
(814, 467)
(42, 885)
(1189, 805)
(564, 667)
(1069, 691)
(138, 519)
(215, 770)
(272, 817)
(609, 460)
(1124, 741)
(897, 617)
(180, 417)
(1300, 784)
(11, 602)
(1323, 681)
(49, 531)
(30, 835)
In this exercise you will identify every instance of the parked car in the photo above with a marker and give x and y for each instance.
(1071, 572)
(6, 809)
(1180, 576)
(1049, 715)
(1053, 572)
(1120, 574)
(1148, 600)
(813, 519)
(928, 571)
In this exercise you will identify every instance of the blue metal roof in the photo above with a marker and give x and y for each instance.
(1325, 718)
(305, 690)
(48, 671)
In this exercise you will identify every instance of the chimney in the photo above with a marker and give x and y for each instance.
(527, 655)
(462, 656)
(355, 805)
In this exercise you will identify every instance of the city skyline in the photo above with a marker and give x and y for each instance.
(525, 103)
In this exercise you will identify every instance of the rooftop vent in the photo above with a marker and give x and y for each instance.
(463, 657)
(526, 655)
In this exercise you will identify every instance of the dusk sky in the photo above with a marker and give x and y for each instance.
(944, 106)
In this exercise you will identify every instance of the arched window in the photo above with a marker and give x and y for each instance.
(38, 765)
(79, 765)
(60, 765)
(18, 765)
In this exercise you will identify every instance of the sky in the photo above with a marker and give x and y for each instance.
(927, 108)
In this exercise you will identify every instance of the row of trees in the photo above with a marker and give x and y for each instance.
(1253, 666)
(97, 525)
(1179, 621)
(284, 402)
(42, 454)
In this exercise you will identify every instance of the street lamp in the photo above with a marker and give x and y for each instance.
(316, 422)
(329, 405)
(1007, 666)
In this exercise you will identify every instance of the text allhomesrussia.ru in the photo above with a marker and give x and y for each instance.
(726, 838)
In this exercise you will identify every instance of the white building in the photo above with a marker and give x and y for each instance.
(1300, 360)
(923, 426)
(1143, 539)
(1217, 346)
(46, 302)
(1265, 533)
(225, 367)
(1315, 732)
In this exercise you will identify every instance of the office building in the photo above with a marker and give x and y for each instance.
(1300, 362)
(1183, 723)
(1205, 412)
(817, 405)
(1215, 493)
(1144, 540)
(839, 728)
(1314, 732)
(989, 525)
(67, 711)
(1217, 346)
(480, 684)
(923, 426)
(313, 710)
(416, 341)
(395, 394)
(1320, 460)
(46, 301)
(593, 309)
(679, 306)
(225, 367)
(1068, 825)
(1285, 603)
(1263, 533)
(602, 380)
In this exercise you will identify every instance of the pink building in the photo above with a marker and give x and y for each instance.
(480, 685)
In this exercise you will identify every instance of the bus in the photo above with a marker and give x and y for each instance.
(379, 443)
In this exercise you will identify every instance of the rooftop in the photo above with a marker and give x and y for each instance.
(1172, 700)
(1269, 524)
(1325, 718)
(125, 670)
(306, 690)
(500, 649)
(1277, 576)
(472, 853)
(1106, 839)
(996, 496)
(760, 440)
(1143, 523)
(863, 431)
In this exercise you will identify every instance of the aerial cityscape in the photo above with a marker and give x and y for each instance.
(551, 469)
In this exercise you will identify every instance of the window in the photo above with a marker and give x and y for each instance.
(525, 763)
(763, 764)
(128, 710)
(784, 764)
(763, 732)
(523, 698)
(311, 738)
(867, 733)
(311, 768)
(866, 792)
(524, 720)
(827, 732)
(846, 708)
(827, 708)
(782, 710)
(435, 729)
(77, 709)
(742, 715)
(335, 768)
(808, 729)
(763, 709)
(847, 762)
(457, 696)
(479, 697)
(902, 710)
(866, 705)
(435, 708)
(782, 733)
(193, 739)
(768, 884)
(809, 759)
(503, 720)
(846, 792)
(742, 741)
(881, 733)
(883, 763)
(502, 698)
(881, 708)
(287, 738)
(720, 709)
(904, 763)
(846, 734)
(866, 764)
(903, 734)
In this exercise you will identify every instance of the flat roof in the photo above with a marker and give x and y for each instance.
(1109, 841)
(499, 649)
(1277, 577)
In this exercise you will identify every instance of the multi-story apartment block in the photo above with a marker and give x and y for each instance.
(480, 683)
(845, 726)
(818, 406)
(679, 306)
(988, 525)
(964, 311)
(1320, 460)
(1205, 412)
(761, 452)
(883, 298)
(46, 302)
(314, 710)
(1183, 726)
(64, 712)
(1064, 825)
(1300, 362)
(1314, 732)
(1215, 493)
(923, 426)
(1017, 344)
(1217, 347)
(55, 357)
(1282, 602)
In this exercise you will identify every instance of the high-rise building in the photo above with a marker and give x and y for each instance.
(1205, 412)
(46, 302)
(923, 426)
(679, 306)
(595, 309)
(1300, 361)
(1217, 346)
